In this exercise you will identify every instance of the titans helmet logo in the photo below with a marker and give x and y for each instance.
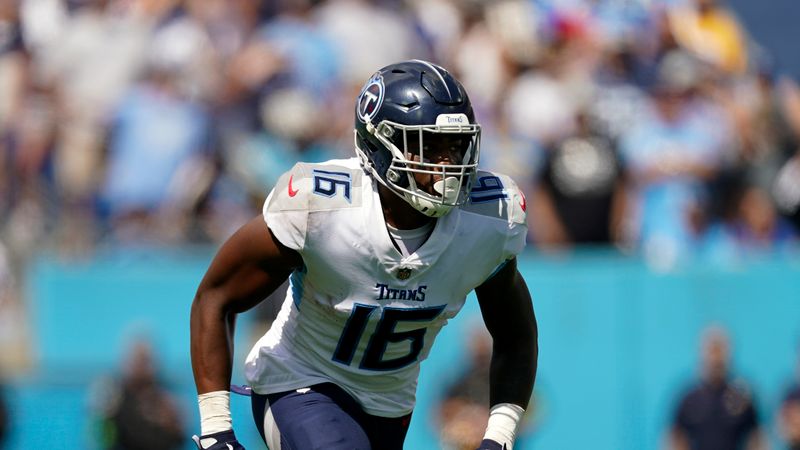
(371, 98)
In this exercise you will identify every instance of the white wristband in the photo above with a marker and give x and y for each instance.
(215, 412)
(504, 419)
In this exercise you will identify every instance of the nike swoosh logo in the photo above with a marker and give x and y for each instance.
(292, 192)
(523, 203)
(230, 447)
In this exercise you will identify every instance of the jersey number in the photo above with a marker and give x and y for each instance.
(384, 334)
(487, 189)
(327, 183)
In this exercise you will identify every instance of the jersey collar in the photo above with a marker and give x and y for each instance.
(385, 251)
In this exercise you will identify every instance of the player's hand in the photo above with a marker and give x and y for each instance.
(488, 444)
(224, 440)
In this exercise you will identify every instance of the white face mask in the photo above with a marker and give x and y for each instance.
(455, 177)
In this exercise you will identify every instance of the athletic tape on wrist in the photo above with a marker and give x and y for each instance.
(215, 412)
(504, 419)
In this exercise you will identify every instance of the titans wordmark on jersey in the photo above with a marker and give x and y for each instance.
(358, 313)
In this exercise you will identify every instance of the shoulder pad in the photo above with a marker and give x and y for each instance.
(496, 195)
(321, 186)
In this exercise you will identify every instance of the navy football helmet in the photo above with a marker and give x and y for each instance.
(414, 117)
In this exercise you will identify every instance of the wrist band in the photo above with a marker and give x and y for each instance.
(215, 412)
(503, 421)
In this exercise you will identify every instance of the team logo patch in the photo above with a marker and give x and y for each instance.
(403, 273)
(371, 98)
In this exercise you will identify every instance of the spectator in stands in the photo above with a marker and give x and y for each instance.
(184, 43)
(25, 119)
(541, 104)
(291, 99)
(618, 100)
(786, 188)
(751, 227)
(789, 416)
(292, 119)
(311, 59)
(158, 162)
(13, 63)
(139, 413)
(668, 157)
(89, 64)
(790, 419)
(718, 411)
(764, 101)
(380, 37)
(503, 36)
(712, 32)
(579, 199)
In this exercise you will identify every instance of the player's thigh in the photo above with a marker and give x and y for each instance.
(387, 433)
(384, 433)
(307, 419)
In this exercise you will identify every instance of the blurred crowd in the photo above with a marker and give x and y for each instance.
(135, 409)
(657, 126)
(715, 409)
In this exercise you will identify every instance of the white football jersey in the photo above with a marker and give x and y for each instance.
(358, 313)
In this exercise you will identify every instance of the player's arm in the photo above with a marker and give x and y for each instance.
(249, 266)
(507, 311)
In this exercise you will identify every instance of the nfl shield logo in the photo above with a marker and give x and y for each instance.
(403, 273)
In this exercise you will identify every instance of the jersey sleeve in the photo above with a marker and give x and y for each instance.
(517, 220)
(286, 208)
(501, 208)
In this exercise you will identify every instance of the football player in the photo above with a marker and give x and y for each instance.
(381, 251)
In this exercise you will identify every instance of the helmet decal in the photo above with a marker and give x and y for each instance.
(371, 98)
(452, 119)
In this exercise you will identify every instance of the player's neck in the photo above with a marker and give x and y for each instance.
(398, 213)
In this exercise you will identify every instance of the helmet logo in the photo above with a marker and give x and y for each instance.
(371, 98)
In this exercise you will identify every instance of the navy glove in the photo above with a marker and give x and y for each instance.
(488, 444)
(223, 440)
